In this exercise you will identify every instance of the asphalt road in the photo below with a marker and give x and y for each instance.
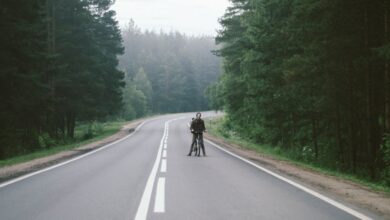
(149, 176)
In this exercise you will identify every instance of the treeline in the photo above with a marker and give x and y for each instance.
(58, 62)
(166, 72)
(311, 77)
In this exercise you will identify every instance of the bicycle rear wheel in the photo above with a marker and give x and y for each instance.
(197, 150)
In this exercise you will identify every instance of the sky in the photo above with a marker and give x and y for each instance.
(192, 17)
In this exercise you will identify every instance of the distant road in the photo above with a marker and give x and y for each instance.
(148, 176)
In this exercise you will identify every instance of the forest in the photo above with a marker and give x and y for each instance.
(58, 66)
(310, 77)
(166, 72)
(67, 63)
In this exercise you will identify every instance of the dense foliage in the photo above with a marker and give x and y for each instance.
(311, 77)
(58, 62)
(166, 72)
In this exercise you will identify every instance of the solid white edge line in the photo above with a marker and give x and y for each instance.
(69, 161)
(163, 166)
(307, 190)
(159, 202)
(143, 207)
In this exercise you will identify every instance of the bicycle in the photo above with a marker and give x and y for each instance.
(197, 144)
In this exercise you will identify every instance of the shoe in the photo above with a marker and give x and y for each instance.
(189, 155)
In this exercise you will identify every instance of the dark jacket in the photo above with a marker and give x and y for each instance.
(198, 126)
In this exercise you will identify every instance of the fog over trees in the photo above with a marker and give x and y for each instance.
(166, 72)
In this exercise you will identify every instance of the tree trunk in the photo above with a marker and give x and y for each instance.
(352, 129)
(353, 146)
(368, 76)
(62, 126)
(73, 124)
(314, 136)
(386, 68)
(338, 135)
(48, 25)
(70, 124)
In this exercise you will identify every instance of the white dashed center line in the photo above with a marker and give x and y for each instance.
(143, 207)
(163, 166)
(159, 203)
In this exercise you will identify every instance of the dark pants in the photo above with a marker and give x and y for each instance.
(194, 135)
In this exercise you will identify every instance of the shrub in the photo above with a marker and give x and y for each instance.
(45, 141)
(386, 159)
(93, 129)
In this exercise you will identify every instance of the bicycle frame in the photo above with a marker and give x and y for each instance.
(198, 143)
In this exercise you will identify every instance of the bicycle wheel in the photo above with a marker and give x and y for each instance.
(197, 147)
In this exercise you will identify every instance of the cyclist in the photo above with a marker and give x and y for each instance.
(197, 128)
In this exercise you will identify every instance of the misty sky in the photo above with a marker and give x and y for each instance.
(193, 17)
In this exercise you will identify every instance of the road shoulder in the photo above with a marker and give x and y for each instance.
(340, 189)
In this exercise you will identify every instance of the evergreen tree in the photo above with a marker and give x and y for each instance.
(309, 75)
(58, 66)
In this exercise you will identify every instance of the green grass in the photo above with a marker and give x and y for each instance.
(215, 127)
(102, 130)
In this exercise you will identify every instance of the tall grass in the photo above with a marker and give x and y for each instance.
(85, 133)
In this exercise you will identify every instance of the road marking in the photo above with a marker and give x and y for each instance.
(163, 166)
(143, 207)
(71, 160)
(307, 190)
(159, 203)
(164, 153)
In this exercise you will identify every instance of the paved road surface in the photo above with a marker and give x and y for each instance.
(149, 176)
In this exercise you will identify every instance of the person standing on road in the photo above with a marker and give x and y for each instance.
(197, 128)
(193, 137)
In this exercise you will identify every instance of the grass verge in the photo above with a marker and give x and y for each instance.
(215, 127)
(85, 133)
